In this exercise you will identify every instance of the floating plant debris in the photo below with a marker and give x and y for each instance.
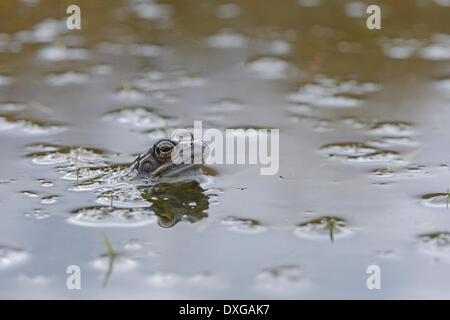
(270, 68)
(436, 245)
(137, 117)
(436, 200)
(323, 228)
(328, 92)
(242, 225)
(10, 256)
(29, 126)
(107, 216)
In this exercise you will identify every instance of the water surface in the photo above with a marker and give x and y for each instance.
(363, 176)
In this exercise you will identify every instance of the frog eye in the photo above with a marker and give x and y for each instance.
(164, 149)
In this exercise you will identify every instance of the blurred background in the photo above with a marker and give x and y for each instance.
(363, 176)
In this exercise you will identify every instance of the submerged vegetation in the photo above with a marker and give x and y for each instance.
(111, 255)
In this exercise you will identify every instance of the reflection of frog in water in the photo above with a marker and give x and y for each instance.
(175, 193)
(177, 201)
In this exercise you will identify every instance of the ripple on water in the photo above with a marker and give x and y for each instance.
(130, 95)
(226, 39)
(383, 142)
(37, 214)
(85, 175)
(278, 47)
(400, 48)
(392, 129)
(355, 9)
(70, 156)
(443, 85)
(45, 183)
(412, 172)
(359, 152)
(102, 69)
(436, 200)
(84, 165)
(438, 50)
(226, 105)
(169, 280)
(44, 32)
(12, 106)
(321, 125)
(157, 81)
(139, 249)
(29, 126)
(5, 80)
(383, 156)
(151, 10)
(323, 229)
(67, 78)
(347, 149)
(154, 134)
(242, 225)
(137, 117)
(302, 113)
(61, 53)
(49, 199)
(270, 68)
(353, 123)
(29, 194)
(107, 216)
(41, 147)
(124, 195)
(436, 245)
(283, 280)
(140, 50)
(121, 263)
(10, 256)
(331, 93)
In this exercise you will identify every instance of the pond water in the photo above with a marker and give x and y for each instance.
(363, 177)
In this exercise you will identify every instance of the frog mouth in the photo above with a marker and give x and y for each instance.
(169, 169)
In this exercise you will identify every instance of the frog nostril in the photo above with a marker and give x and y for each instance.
(147, 167)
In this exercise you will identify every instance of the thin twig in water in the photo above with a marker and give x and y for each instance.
(112, 255)
(331, 225)
(108, 246)
(78, 174)
(448, 196)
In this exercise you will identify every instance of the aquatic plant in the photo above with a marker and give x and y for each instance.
(112, 255)
(78, 174)
(448, 196)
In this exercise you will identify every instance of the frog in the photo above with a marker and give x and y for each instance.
(168, 156)
(175, 181)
